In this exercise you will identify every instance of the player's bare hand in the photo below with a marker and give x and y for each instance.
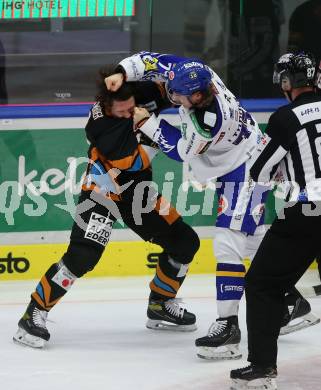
(114, 82)
(140, 113)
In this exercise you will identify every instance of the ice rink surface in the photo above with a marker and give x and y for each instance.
(99, 341)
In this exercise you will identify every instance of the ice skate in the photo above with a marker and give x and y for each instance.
(169, 315)
(222, 340)
(298, 317)
(254, 377)
(32, 329)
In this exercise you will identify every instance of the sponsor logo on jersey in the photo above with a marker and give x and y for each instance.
(226, 288)
(241, 133)
(183, 130)
(12, 264)
(190, 144)
(222, 205)
(97, 111)
(221, 136)
(64, 278)
(193, 64)
(165, 146)
(150, 62)
(171, 75)
(220, 84)
(134, 68)
(308, 112)
(203, 146)
(257, 212)
(265, 139)
(99, 229)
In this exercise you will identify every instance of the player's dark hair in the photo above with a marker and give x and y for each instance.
(106, 97)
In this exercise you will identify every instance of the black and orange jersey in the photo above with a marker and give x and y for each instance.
(113, 143)
(114, 138)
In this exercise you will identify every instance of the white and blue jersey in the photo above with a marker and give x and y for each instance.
(217, 141)
(241, 202)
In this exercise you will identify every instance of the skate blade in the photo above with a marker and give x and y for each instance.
(304, 322)
(257, 384)
(26, 339)
(163, 325)
(226, 352)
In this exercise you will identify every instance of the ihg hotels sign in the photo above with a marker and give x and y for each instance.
(16, 9)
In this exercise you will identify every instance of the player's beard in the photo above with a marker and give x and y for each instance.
(205, 102)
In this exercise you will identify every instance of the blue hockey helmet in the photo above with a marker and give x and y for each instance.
(187, 77)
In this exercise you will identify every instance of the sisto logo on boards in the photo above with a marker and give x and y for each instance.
(12, 264)
(153, 259)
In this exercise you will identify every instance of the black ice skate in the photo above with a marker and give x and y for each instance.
(222, 340)
(32, 329)
(298, 317)
(168, 315)
(254, 377)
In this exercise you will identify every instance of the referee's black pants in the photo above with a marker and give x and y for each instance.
(286, 252)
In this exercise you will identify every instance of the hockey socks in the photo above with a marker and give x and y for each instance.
(53, 286)
(164, 312)
(168, 278)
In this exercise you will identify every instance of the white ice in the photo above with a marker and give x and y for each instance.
(99, 341)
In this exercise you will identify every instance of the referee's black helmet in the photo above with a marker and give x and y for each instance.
(295, 71)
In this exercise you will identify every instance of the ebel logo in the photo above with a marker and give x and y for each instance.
(11, 264)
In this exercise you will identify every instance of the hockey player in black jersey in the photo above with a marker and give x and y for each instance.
(293, 146)
(117, 184)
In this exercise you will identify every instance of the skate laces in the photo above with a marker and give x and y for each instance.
(216, 328)
(39, 317)
(173, 306)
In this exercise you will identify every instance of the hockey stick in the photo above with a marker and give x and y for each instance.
(310, 292)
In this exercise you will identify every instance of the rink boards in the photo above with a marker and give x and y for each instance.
(34, 230)
(121, 258)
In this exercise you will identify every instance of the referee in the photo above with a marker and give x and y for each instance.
(293, 147)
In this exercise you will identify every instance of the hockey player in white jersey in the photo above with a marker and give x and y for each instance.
(220, 140)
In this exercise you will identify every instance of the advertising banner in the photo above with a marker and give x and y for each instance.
(32, 9)
(41, 181)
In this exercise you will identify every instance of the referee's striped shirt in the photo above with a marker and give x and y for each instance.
(292, 149)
